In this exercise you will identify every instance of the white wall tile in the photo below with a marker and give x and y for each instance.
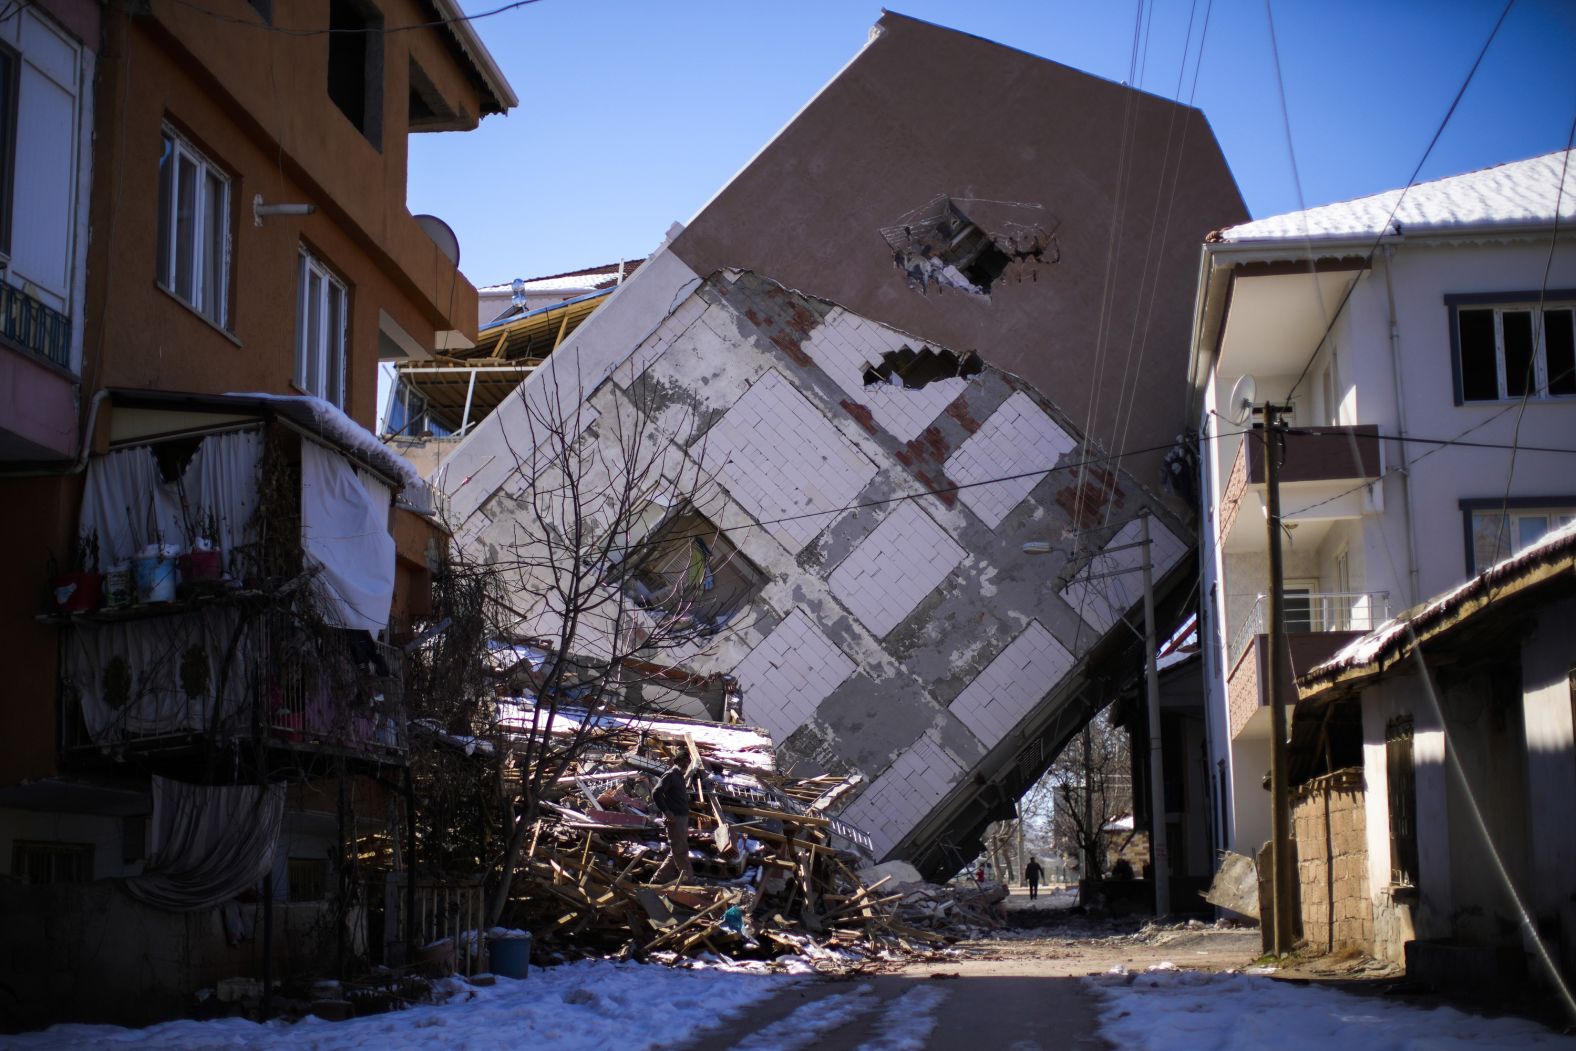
(786, 677)
(1017, 438)
(892, 570)
(780, 458)
(1012, 684)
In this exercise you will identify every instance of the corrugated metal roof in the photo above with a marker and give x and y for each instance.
(1521, 193)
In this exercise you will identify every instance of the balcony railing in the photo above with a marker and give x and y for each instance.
(1309, 612)
(29, 324)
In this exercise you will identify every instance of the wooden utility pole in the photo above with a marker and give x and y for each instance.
(1280, 794)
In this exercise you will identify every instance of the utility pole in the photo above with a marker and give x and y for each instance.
(1160, 859)
(1280, 795)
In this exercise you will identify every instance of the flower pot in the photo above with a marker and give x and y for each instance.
(154, 578)
(202, 565)
(77, 592)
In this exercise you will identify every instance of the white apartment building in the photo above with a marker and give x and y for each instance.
(1423, 341)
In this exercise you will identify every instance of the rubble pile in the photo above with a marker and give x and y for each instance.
(770, 870)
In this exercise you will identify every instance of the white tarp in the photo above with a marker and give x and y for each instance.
(345, 533)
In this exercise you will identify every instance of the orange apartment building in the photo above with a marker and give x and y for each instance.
(205, 252)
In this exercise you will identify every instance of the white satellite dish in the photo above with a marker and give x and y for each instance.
(442, 236)
(1244, 398)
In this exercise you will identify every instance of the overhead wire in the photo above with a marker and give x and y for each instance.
(265, 26)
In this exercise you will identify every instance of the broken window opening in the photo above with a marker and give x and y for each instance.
(688, 570)
(947, 248)
(904, 368)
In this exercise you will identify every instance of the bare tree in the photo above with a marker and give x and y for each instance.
(606, 567)
(1088, 786)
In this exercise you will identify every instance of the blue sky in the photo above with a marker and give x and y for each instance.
(634, 112)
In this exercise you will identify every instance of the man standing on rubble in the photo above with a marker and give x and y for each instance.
(1031, 874)
(672, 797)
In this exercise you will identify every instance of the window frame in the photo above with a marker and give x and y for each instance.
(1517, 506)
(1500, 302)
(166, 249)
(645, 577)
(307, 378)
(1400, 760)
(10, 115)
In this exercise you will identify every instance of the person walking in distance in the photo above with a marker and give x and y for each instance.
(1031, 874)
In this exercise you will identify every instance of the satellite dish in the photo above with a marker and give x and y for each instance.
(1244, 398)
(442, 236)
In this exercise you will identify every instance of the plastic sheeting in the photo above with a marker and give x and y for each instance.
(345, 533)
(209, 843)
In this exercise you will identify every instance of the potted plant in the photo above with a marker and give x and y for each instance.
(78, 590)
(205, 560)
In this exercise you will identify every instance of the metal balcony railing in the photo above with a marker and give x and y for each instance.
(1319, 611)
(29, 324)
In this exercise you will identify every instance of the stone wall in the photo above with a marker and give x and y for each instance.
(1332, 862)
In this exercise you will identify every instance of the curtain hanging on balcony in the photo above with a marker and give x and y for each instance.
(130, 505)
(345, 532)
(209, 843)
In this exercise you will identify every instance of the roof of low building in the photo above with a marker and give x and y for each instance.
(587, 278)
(1517, 194)
(1367, 657)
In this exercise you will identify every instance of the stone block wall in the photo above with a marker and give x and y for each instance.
(1330, 827)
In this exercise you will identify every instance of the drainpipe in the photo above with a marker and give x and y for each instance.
(1400, 419)
(85, 447)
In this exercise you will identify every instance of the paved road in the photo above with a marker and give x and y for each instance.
(1019, 992)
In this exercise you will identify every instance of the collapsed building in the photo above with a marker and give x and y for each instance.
(943, 314)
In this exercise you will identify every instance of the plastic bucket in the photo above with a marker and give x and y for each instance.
(154, 578)
(509, 957)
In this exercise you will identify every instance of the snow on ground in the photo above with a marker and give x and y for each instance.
(587, 1006)
(1164, 1009)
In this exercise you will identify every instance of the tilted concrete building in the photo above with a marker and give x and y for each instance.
(942, 314)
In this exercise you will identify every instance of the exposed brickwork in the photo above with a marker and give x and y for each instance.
(1330, 826)
(780, 459)
(1085, 501)
(895, 567)
(792, 671)
(1236, 487)
(1243, 696)
(1017, 438)
(1002, 694)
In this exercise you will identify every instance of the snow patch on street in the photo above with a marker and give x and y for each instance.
(907, 1022)
(807, 1024)
(1168, 1010)
(588, 1006)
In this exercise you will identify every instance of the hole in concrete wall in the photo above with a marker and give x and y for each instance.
(910, 370)
(972, 245)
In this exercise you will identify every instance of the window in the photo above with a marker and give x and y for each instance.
(308, 879)
(52, 862)
(1401, 779)
(321, 302)
(355, 65)
(194, 229)
(8, 114)
(1496, 531)
(687, 569)
(1502, 350)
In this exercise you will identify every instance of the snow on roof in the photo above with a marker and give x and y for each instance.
(1521, 193)
(341, 430)
(1368, 649)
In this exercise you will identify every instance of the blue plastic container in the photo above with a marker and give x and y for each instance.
(510, 957)
(154, 578)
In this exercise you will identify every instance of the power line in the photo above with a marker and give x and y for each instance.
(1388, 224)
(1303, 432)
